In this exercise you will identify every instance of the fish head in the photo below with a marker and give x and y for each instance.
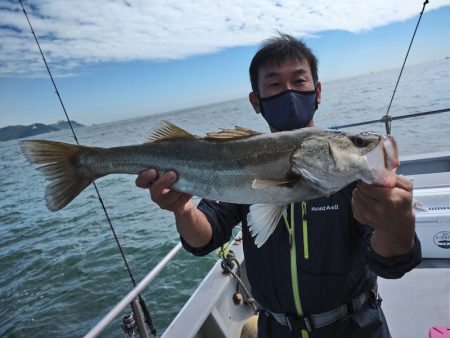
(331, 160)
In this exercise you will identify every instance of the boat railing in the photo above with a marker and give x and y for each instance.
(132, 296)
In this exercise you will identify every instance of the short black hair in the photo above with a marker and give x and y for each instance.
(278, 49)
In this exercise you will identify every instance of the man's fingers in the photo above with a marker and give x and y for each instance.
(146, 178)
(165, 198)
(358, 206)
(175, 200)
(160, 190)
(404, 183)
(164, 182)
(401, 182)
(170, 200)
(366, 210)
(370, 193)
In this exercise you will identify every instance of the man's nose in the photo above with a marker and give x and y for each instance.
(288, 86)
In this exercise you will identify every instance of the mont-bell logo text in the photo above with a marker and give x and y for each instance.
(326, 208)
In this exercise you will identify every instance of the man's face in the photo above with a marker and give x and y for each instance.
(292, 74)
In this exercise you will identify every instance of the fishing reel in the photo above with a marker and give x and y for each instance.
(129, 325)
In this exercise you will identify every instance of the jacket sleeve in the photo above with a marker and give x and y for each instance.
(391, 267)
(222, 217)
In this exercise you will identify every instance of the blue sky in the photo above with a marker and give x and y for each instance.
(119, 60)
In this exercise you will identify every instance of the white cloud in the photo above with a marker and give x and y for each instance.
(75, 33)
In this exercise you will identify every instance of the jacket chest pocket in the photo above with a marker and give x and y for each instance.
(324, 238)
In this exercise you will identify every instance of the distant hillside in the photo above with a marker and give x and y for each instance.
(65, 125)
(15, 132)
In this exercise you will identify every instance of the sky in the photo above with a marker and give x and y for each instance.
(119, 59)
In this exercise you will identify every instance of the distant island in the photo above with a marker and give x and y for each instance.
(16, 132)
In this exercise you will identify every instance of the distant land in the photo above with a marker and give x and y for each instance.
(15, 132)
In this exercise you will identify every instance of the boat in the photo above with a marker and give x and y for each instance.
(222, 306)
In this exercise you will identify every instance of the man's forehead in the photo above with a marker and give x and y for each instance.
(288, 65)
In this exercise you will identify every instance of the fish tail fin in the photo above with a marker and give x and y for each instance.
(263, 220)
(59, 165)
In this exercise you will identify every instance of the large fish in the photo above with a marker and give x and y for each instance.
(237, 165)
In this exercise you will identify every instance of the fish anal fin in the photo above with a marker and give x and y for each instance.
(262, 221)
(168, 130)
(231, 134)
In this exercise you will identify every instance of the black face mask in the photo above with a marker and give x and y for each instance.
(290, 109)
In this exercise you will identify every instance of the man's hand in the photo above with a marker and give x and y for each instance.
(389, 212)
(161, 193)
(192, 224)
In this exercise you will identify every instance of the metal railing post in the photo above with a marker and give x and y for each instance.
(97, 329)
(139, 318)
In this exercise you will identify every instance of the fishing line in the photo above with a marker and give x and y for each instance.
(387, 120)
(122, 253)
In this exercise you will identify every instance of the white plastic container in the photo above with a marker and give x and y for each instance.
(432, 208)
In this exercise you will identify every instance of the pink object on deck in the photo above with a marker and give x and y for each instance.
(439, 332)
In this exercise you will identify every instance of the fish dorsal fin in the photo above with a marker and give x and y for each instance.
(231, 134)
(168, 130)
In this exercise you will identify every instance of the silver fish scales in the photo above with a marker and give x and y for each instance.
(234, 165)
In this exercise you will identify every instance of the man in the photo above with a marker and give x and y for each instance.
(316, 274)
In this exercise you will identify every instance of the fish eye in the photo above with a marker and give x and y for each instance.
(358, 141)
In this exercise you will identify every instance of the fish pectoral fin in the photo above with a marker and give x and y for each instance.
(316, 182)
(308, 176)
(262, 221)
(231, 134)
(268, 183)
(168, 130)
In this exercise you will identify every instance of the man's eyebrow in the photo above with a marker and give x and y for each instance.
(271, 74)
(300, 71)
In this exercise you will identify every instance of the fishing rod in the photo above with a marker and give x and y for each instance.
(387, 121)
(388, 118)
(134, 306)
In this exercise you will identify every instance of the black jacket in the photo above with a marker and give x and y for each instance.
(340, 264)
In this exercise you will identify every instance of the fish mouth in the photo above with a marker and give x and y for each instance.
(390, 150)
(383, 162)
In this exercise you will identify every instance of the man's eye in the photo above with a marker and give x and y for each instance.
(274, 84)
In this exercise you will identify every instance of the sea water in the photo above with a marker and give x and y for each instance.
(62, 272)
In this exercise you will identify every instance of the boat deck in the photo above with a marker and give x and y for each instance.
(418, 301)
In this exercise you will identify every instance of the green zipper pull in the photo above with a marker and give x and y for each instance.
(289, 229)
(305, 231)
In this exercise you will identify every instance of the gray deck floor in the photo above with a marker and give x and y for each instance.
(418, 301)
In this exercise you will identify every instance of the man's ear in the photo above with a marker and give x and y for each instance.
(319, 91)
(254, 100)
